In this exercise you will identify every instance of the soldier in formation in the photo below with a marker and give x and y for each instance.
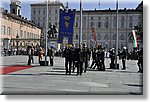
(112, 56)
(123, 56)
(68, 59)
(98, 56)
(76, 58)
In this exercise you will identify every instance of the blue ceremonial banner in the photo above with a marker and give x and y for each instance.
(66, 25)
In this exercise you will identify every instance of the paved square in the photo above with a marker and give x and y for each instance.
(52, 80)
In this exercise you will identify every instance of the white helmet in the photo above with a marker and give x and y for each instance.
(124, 48)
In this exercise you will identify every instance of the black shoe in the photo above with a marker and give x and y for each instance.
(102, 69)
(140, 71)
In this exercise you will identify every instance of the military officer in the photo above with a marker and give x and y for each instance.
(124, 55)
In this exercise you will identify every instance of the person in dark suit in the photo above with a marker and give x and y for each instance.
(85, 57)
(112, 56)
(124, 55)
(140, 61)
(80, 61)
(73, 57)
(68, 59)
(102, 60)
(32, 55)
(29, 56)
(99, 57)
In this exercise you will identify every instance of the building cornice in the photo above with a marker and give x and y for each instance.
(110, 11)
(22, 19)
(50, 4)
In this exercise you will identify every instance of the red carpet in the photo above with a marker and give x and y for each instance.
(15, 68)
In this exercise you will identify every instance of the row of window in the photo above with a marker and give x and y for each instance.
(5, 30)
(106, 24)
(108, 18)
(23, 43)
(23, 34)
(107, 45)
(44, 11)
(105, 37)
(44, 18)
(43, 24)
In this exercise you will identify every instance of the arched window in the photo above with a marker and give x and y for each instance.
(4, 30)
(8, 31)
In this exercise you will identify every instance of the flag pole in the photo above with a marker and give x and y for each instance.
(46, 32)
(116, 51)
(80, 34)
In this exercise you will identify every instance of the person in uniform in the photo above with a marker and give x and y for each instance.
(98, 56)
(68, 59)
(103, 59)
(112, 56)
(140, 61)
(85, 57)
(32, 55)
(124, 55)
(119, 54)
(79, 51)
(73, 49)
(29, 56)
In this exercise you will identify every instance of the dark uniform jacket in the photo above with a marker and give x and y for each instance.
(68, 54)
(124, 54)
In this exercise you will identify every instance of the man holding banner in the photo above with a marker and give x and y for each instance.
(66, 31)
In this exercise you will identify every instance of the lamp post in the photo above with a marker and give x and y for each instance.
(17, 37)
(46, 31)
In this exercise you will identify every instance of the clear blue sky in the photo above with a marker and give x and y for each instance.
(87, 4)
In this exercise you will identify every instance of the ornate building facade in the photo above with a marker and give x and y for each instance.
(104, 22)
(17, 30)
(39, 13)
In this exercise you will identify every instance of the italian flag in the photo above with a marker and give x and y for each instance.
(135, 41)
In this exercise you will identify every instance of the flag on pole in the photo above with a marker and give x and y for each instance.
(135, 41)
